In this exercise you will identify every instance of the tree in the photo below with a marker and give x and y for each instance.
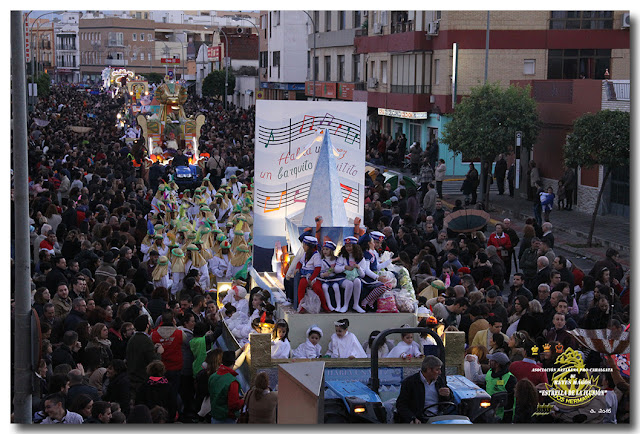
(44, 84)
(154, 77)
(213, 84)
(484, 124)
(600, 138)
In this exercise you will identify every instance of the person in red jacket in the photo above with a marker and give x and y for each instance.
(528, 367)
(501, 241)
(171, 338)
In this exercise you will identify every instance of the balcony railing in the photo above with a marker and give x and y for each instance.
(401, 27)
(421, 88)
(115, 62)
(361, 85)
(617, 91)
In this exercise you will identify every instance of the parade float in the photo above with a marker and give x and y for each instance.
(166, 129)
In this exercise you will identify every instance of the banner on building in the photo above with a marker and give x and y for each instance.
(283, 169)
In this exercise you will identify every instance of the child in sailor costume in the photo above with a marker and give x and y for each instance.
(328, 277)
(350, 259)
(310, 265)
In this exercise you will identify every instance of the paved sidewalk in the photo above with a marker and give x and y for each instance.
(570, 227)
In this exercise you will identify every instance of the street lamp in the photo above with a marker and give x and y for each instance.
(313, 63)
(226, 67)
(31, 32)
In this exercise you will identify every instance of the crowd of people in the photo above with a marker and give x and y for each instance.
(509, 292)
(124, 266)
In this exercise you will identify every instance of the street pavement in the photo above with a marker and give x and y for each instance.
(570, 228)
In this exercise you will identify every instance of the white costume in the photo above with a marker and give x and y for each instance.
(308, 350)
(221, 267)
(345, 347)
(280, 349)
(403, 350)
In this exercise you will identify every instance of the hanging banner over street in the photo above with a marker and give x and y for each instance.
(283, 169)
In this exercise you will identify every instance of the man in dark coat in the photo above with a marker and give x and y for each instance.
(140, 352)
(422, 392)
(569, 181)
(499, 172)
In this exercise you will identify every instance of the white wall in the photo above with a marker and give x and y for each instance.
(290, 38)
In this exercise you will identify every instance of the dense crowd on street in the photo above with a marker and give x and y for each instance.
(124, 266)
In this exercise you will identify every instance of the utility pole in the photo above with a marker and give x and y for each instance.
(313, 62)
(22, 367)
(226, 67)
(483, 175)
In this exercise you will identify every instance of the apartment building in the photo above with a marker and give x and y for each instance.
(39, 34)
(67, 53)
(283, 56)
(142, 46)
(409, 60)
(335, 68)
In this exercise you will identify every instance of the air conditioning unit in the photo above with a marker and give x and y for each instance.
(377, 28)
(433, 27)
(372, 82)
(626, 22)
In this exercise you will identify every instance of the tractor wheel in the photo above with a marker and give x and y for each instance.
(335, 412)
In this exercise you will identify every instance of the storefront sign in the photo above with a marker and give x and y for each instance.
(214, 53)
(345, 91)
(402, 114)
(169, 60)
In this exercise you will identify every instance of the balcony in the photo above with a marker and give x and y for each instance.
(402, 26)
(618, 90)
(116, 62)
(418, 89)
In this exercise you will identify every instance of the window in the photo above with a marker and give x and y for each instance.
(276, 62)
(276, 18)
(142, 56)
(134, 36)
(529, 66)
(373, 69)
(134, 56)
(149, 37)
(316, 20)
(327, 21)
(410, 73)
(573, 64)
(340, 68)
(436, 72)
(356, 68)
(142, 36)
(383, 72)
(327, 68)
(400, 22)
(264, 56)
(316, 67)
(342, 20)
(581, 20)
(357, 19)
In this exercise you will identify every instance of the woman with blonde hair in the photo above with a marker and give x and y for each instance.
(475, 357)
